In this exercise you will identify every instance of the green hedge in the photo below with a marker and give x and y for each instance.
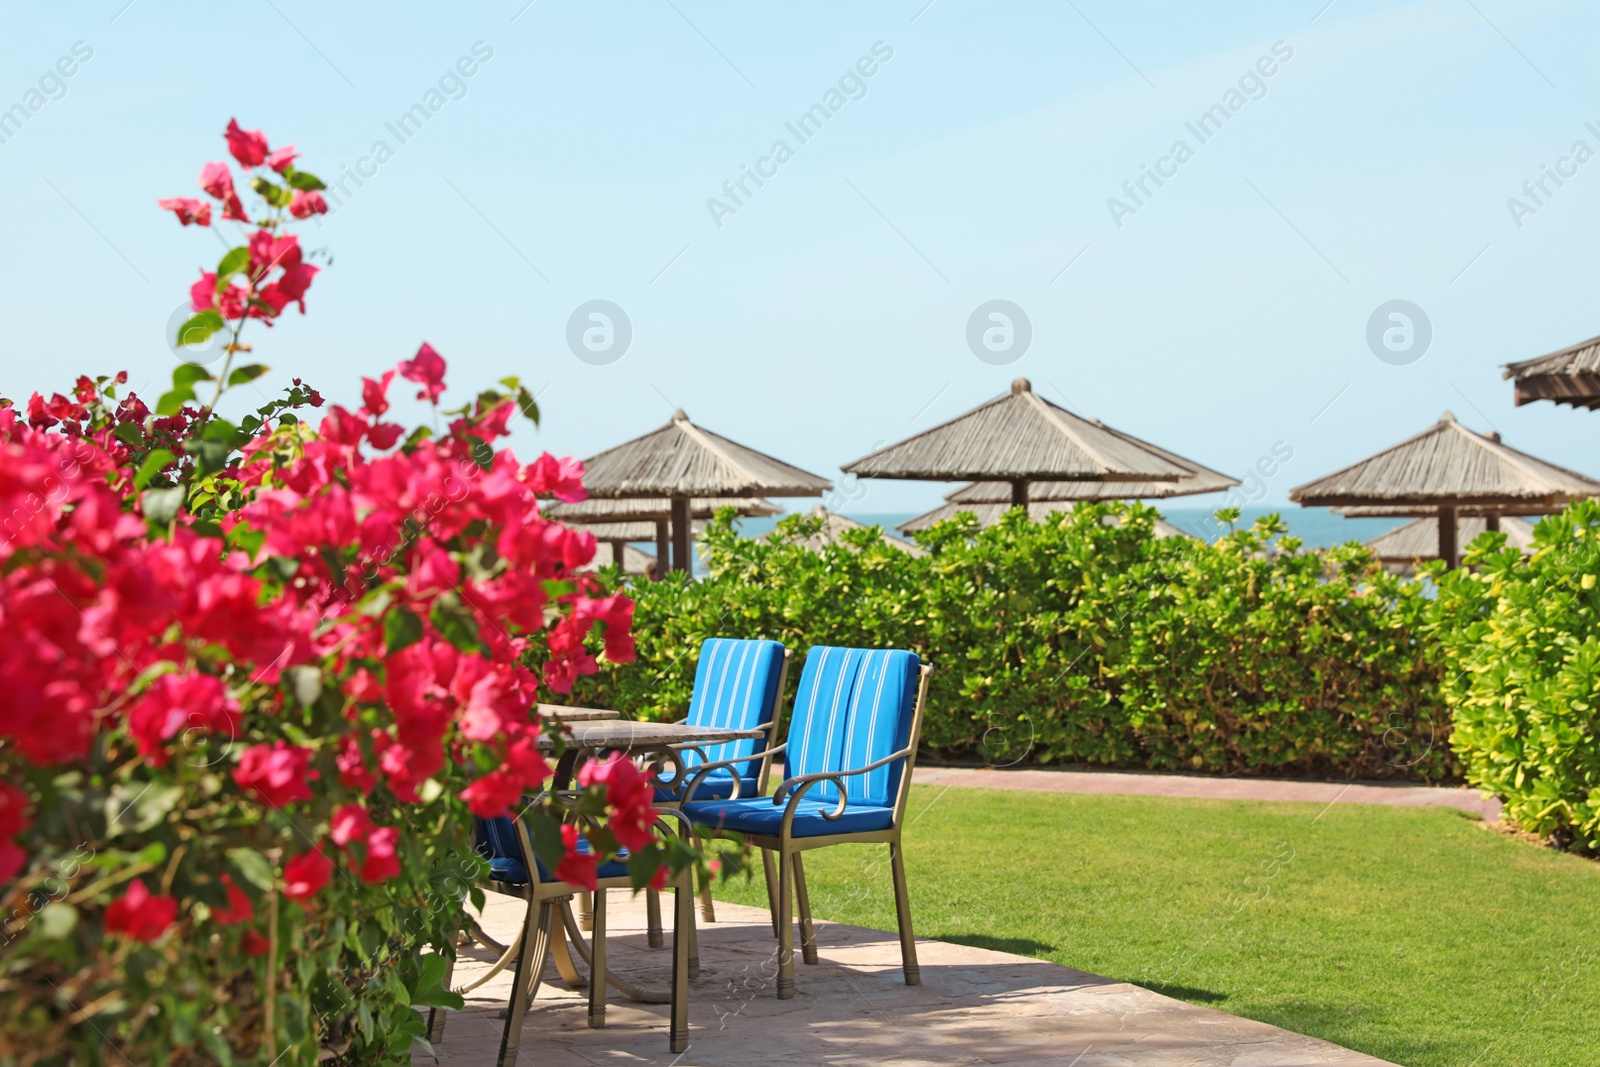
(1085, 639)
(1520, 640)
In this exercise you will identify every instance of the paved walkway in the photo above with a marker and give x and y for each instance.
(1146, 784)
(974, 1006)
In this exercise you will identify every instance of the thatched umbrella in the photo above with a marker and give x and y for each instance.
(650, 515)
(1019, 438)
(620, 535)
(835, 524)
(1446, 468)
(1570, 376)
(989, 514)
(683, 463)
(1198, 480)
(1418, 539)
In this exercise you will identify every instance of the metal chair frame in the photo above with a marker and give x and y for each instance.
(788, 849)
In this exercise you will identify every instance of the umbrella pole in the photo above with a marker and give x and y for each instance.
(1447, 537)
(680, 534)
(663, 551)
(1492, 522)
(1019, 494)
(616, 552)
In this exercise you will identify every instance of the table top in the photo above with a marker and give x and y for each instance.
(623, 733)
(568, 714)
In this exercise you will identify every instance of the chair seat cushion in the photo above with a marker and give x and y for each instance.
(497, 842)
(717, 786)
(761, 816)
(515, 872)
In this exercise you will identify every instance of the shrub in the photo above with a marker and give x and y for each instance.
(256, 681)
(1520, 641)
(1085, 638)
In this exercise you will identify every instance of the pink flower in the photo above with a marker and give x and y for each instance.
(249, 147)
(188, 209)
(427, 369)
(281, 159)
(350, 823)
(305, 875)
(141, 915)
(384, 435)
(276, 773)
(306, 203)
(629, 795)
(382, 862)
(254, 943)
(217, 180)
(375, 394)
(561, 478)
(577, 868)
(196, 702)
(239, 908)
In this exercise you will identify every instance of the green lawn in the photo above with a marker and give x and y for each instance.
(1411, 934)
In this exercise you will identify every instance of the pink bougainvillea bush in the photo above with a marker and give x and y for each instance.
(256, 680)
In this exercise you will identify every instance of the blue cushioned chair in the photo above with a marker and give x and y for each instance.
(851, 746)
(737, 684)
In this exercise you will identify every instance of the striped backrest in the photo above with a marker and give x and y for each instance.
(736, 686)
(854, 707)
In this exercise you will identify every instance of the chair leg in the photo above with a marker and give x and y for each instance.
(530, 965)
(683, 943)
(771, 872)
(708, 908)
(585, 912)
(694, 930)
(802, 899)
(436, 1016)
(597, 964)
(785, 931)
(902, 911)
(652, 911)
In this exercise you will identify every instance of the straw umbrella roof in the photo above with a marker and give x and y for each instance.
(1018, 438)
(684, 460)
(1412, 511)
(1199, 480)
(835, 524)
(645, 510)
(1449, 465)
(1570, 376)
(628, 531)
(1419, 539)
(633, 560)
(989, 514)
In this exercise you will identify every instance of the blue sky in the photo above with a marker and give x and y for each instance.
(829, 312)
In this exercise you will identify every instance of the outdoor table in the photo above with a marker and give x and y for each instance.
(563, 713)
(658, 744)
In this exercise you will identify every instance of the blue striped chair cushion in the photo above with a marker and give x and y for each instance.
(854, 707)
(761, 816)
(735, 686)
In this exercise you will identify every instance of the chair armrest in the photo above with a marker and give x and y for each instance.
(692, 782)
(802, 784)
(835, 776)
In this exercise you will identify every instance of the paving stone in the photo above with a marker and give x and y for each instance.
(975, 1006)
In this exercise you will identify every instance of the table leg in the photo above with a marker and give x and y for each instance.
(597, 964)
(559, 950)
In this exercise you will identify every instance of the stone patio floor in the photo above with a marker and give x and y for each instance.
(974, 1006)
